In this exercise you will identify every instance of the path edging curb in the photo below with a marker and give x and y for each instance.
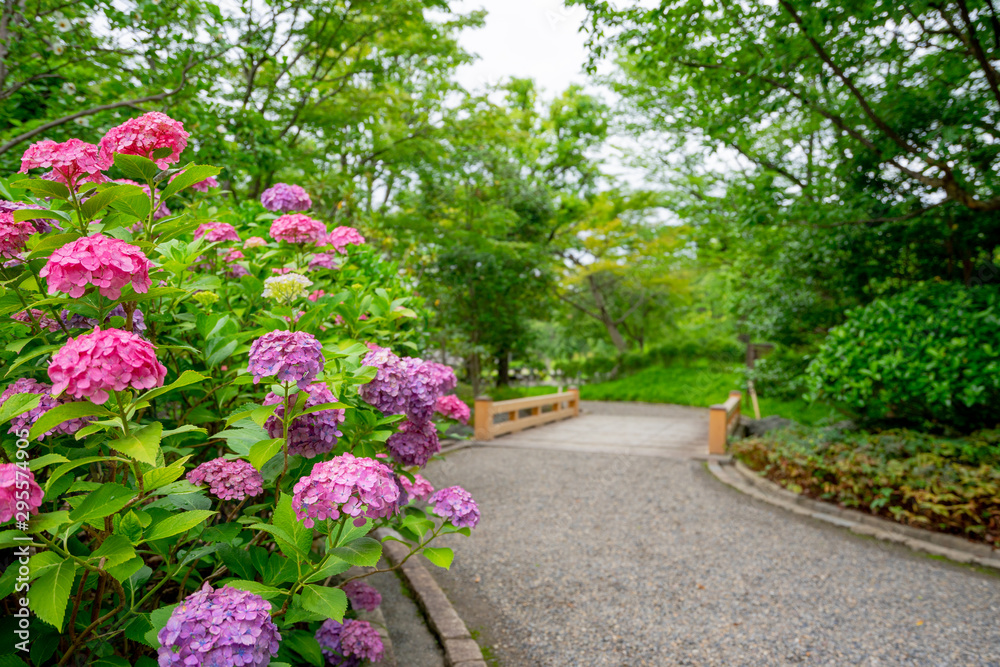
(742, 478)
(460, 649)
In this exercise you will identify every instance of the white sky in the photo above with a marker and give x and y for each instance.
(536, 39)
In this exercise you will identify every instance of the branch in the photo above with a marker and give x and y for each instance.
(89, 112)
(580, 308)
(977, 50)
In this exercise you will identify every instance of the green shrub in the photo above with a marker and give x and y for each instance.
(930, 356)
(948, 485)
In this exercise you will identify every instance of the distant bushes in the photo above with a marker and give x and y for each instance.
(720, 352)
(929, 356)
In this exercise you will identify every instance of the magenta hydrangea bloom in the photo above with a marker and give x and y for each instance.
(415, 443)
(309, 435)
(453, 407)
(347, 644)
(71, 162)
(233, 255)
(36, 318)
(108, 263)
(254, 242)
(144, 135)
(297, 228)
(13, 235)
(228, 479)
(219, 628)
(322, 260)
(456, 504)
(17, 483)
(93, 364)
(362, 595)
(356, 487)
(236, 271)
(217, 231)
(341, 237)
(317, 295)
(24, 421)
(285, 198)
(290, 356)
(426, 382)
(418, 489)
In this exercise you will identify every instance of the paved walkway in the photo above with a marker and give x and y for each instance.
(587, 558)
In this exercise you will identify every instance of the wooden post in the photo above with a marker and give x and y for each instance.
(575, 402)
(483, 424)
(716, 430)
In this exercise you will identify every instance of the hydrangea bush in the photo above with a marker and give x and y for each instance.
(202, 433)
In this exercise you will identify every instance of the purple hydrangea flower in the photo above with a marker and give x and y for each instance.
(357, 487)
(219, 628)
(415, 443)
(362, 595)
(27, 419)
(228, 479)
(322, 260)
(76, 321)
(41, 225)
(388, 391)
(285, 198)
(290, 356)
(347, 644)
(309, 435)
(456, 504)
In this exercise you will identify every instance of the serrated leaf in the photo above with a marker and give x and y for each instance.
(100, 200)
(143, 445)
(186, 378)
(18, 404)
(327, 602)
(43, 188)
(50, 593)
(104, 501)
(266, 592)
(440, 556)
(264, 451)
(284, 518)
(64, 413)
(364, 552)
(136, 167)
(193, 174)
(178, 523)
(115, 550)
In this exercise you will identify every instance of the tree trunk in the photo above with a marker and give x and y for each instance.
(474, 372)
(606, 319)
(503, 369)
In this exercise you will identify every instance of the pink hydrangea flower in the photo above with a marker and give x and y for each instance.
(341, 237)
(228, 479)
(13, 235)
(233, 255)
(362, 595)
(415, 443)
(419, 488)
(456, 505)
(144, 135)
(36, 318)
(322, 260)
(217, 231)
(356, 487)
(72, 162)
(453, 407)
(98, 260)
(17, 483)
(254, 242)
(93, 364)
(290, 356)
(285, 198)
(297, 228)
(315, 296)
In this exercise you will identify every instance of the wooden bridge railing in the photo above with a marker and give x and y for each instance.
(722, 421)
(563, 406)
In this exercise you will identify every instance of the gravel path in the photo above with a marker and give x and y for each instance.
(593, 559)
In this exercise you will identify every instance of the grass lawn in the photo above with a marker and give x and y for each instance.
(702, 386)
(698, 385)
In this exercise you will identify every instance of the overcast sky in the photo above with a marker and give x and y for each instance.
(536, 39)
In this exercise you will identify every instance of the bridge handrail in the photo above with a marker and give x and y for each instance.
(723, 419)
(564, 404)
